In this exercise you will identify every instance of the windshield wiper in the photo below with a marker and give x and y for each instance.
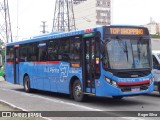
(126, 50)
(138, 47)
(124, 47)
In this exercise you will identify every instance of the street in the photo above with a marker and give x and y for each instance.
(47, 101)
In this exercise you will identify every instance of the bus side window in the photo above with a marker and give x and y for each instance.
(32, 52)
(23, 54)
(10, 54)
(75, 49)
(42, 55)
(53, 50)
(64, 52)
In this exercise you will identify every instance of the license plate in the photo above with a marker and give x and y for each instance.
(136, 89)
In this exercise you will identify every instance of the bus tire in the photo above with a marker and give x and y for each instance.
(27, 84)
(117, 97)
(77, 91)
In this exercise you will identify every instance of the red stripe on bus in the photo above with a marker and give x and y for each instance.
(49, 62)
(9, 62)
(133, 83)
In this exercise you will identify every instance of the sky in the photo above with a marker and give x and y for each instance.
(27, 15)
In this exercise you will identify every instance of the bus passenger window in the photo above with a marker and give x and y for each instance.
(42, 56)
(64, 50)
(10, 54)
(32, 52)
(53, 50)
(75, 49)
(23, 54)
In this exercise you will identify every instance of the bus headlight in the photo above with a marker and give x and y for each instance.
(114, 83)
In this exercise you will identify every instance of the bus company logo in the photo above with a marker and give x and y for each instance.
(51, 70)
(64, 68)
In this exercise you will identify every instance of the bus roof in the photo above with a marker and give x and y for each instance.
(54, 35)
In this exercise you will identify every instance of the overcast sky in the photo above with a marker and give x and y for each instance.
(32, 12)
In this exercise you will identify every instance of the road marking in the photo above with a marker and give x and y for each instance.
(60, 101)
(22, 109)
(54, 100)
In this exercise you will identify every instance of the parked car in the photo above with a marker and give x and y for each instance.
(156, 69)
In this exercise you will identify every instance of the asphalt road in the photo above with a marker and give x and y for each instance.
(14, 95)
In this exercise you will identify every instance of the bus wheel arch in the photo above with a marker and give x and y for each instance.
(71, 85)
(26, 83)
(76, 90)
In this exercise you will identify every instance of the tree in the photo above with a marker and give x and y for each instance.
(2, 49)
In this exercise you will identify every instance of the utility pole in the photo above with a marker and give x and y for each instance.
(5, 24)
(64, 16)
(43, 27)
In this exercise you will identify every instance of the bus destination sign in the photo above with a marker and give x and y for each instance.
(127, 31)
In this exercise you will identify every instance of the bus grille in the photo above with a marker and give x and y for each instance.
(129, 88)
(131, 74)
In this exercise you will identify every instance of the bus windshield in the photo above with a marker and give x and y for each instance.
(126, 53)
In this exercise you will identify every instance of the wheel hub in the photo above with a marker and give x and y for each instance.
(78, 90)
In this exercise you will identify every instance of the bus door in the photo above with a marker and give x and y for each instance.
(91, 66)
(16, 64)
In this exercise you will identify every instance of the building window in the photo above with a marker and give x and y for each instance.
(98, 3)
(108, 4)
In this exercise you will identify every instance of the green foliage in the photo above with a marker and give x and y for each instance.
(2, 49)
(156, 35)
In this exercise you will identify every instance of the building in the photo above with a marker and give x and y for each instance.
(153, 27)
(92, 13)
(155, 44)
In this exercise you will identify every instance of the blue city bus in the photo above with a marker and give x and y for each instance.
(111, 61)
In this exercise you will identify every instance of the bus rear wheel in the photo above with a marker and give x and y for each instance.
(77, 91)
(27, 84)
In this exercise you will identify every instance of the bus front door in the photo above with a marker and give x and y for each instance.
(89, 64)
(16, 64)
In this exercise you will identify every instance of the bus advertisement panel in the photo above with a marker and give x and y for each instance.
(104, 61)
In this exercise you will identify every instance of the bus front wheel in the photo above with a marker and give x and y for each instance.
(77, 91)
(27, 84)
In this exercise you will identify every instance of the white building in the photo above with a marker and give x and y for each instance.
(155, 44)
(153, 27)
(92, 13)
